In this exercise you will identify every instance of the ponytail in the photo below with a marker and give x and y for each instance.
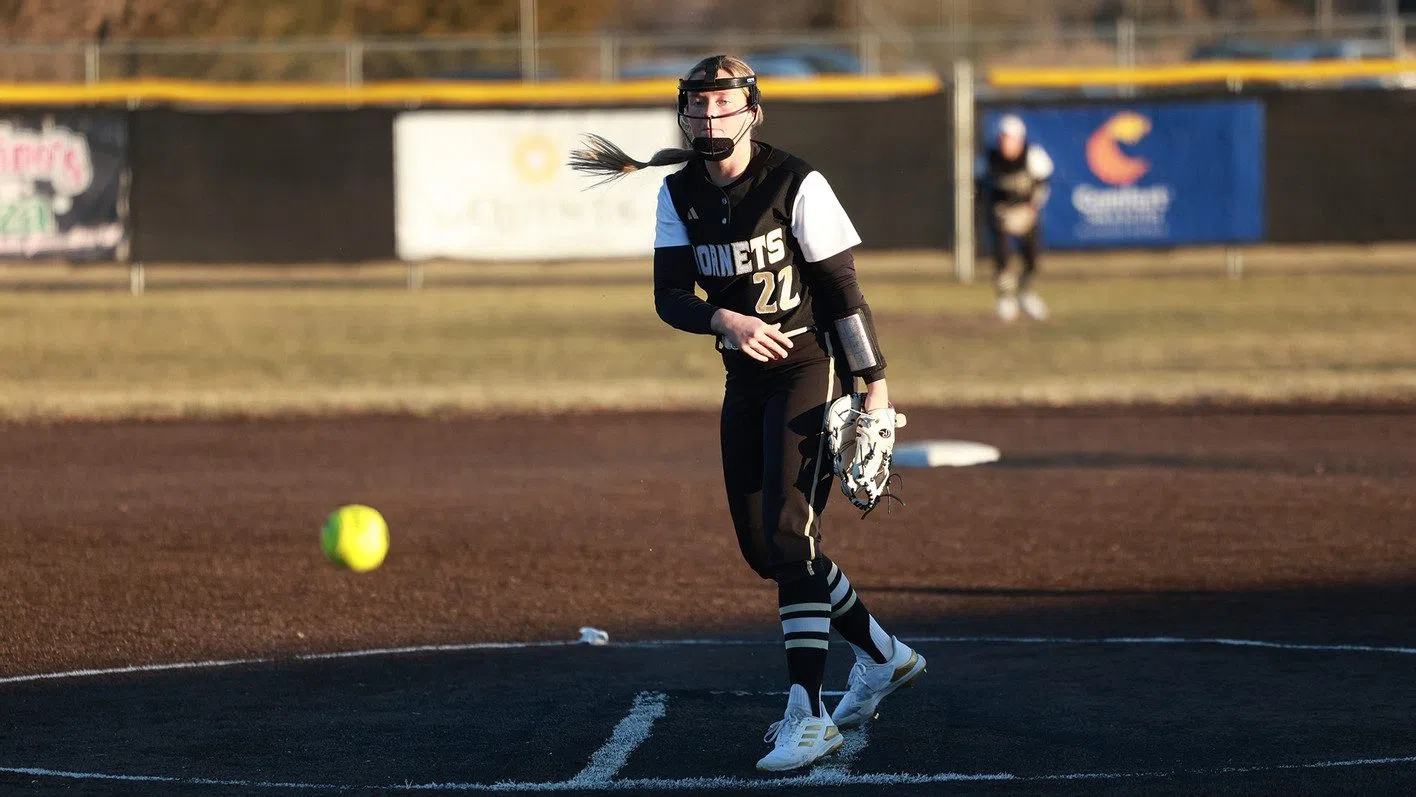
(603, 158)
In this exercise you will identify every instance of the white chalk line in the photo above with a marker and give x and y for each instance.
(820, 777)
(672, 643)
(650, 706)
(840, 763)
(626, 737)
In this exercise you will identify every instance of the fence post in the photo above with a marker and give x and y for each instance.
(354, 64)
(1324, 13)
(528, 41)
(1234, 262)
(137, 278)
(869, 53)
(1126, 51)
(91, 54)
(963, 171)
(1396, 30)
(609, 59)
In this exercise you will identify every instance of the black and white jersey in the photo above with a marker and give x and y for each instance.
(769, 244)
(1019, 180)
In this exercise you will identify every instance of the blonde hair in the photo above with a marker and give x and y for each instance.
(603, 158)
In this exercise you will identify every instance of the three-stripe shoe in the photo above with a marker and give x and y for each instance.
(869, 683)
(800, 738)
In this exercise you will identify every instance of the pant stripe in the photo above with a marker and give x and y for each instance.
(820, 447)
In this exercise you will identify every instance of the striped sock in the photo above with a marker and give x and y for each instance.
(806, 632)
(853, 621)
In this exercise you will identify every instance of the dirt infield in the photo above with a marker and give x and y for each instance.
(150, 543)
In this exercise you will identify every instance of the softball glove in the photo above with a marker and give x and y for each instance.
(862, 444)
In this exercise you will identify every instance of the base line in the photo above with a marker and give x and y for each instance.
(673, 643)
(816, 779)
(627, 735)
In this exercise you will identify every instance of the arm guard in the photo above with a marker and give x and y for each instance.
(857, 334)
(839, 302)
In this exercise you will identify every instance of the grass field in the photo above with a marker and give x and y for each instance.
(593, 341)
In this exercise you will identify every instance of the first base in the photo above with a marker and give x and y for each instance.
(943, 453)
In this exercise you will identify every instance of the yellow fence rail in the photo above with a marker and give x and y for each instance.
(153, 92)
(1197, 73)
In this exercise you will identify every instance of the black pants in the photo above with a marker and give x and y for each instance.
(1028, 246)
(776, 466)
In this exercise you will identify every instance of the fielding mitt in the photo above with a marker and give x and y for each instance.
(862, 444)
(1016, 220)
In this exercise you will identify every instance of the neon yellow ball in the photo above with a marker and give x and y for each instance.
(355, 537)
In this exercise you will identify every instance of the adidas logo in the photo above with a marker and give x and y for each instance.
(693, 214)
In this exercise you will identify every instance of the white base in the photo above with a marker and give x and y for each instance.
(943, 453)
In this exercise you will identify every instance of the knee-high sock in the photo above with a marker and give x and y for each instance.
(804, 604)
(853, 621)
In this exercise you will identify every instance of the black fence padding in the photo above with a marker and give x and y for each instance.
(1341, 166)
(252, 187)
(890, 162)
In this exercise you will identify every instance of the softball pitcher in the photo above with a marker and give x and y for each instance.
(764, 236)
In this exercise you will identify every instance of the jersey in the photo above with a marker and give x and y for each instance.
(754, 242)
(1020, 180)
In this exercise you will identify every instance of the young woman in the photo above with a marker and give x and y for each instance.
(764, 236)
(1014, 177)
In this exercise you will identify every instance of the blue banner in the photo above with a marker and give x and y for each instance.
(1149, 174)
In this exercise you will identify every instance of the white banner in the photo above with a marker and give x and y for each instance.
(493, 185)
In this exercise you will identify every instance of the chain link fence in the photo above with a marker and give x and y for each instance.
(891, 37)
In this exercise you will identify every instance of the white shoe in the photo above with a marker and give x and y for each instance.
(1034, 306)
(1007, 308)
(800, 738)
(870, 683)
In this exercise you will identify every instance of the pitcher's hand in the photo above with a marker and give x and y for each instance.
(756, 338)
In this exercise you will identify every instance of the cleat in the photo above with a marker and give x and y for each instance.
(870, 683)
(1007, 308)
(800, 740)
(1033, 306)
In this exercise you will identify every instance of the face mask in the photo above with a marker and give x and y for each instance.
(714, 148)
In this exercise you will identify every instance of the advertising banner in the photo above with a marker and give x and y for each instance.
(493, 185)
(1160, 174)
(61, 184)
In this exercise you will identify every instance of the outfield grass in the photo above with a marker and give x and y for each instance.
(551, 345)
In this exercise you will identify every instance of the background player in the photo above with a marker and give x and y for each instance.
(1013, 187)
(765, 237)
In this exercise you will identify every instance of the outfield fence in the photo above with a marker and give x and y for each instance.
(162, 171)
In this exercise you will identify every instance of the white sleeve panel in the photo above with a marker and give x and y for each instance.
(819, 223)
(1039, 163)
(668, 227)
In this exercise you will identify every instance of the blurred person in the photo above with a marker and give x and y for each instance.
(1013, 177)
(764, 236)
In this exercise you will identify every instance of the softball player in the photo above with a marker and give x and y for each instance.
(1014, 177)
(764, 236)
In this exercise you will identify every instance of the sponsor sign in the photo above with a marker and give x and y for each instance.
(1151, 174)
(61, 184)
(494, 185)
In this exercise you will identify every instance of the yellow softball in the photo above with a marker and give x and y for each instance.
(355, 537)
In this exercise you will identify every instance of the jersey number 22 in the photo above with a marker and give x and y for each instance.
(777, 294)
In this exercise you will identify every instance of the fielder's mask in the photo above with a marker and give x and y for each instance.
(715, 148)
